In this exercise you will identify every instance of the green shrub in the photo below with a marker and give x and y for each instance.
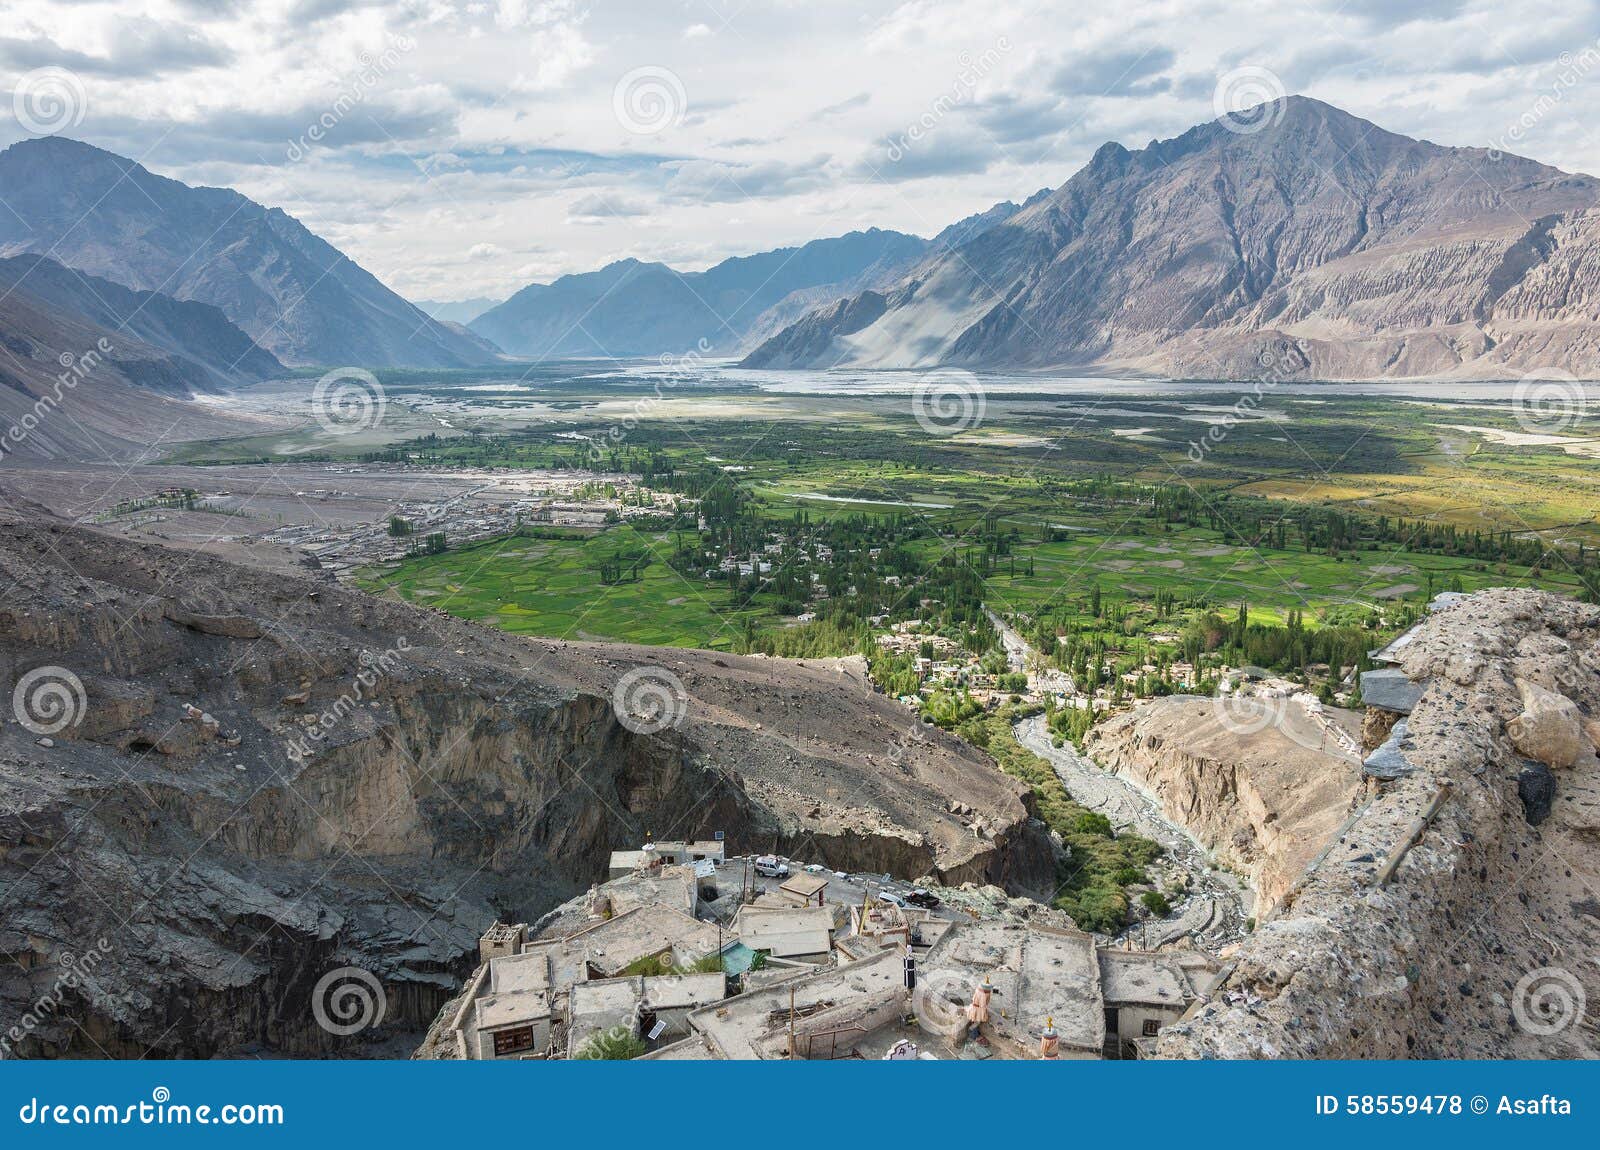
(1156, 902)
(611, 1046)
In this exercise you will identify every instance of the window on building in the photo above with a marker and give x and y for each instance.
(1152, 1027)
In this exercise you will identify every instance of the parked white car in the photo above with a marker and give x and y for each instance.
(771, 866)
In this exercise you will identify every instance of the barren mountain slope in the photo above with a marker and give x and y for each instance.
(462, 774)
(1338, 248)
(292, 292)
(74, 388)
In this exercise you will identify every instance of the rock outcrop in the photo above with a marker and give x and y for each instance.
(223, 797)
(1467, 934)
(1257, 782)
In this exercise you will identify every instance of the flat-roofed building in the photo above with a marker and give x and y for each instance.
(805, 889)
(803, 933)
(671, 851)
(1143, 992)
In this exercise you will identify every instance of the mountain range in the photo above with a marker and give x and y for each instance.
(292, 292)
(1314, 244)
(631, 308)
(91, 369)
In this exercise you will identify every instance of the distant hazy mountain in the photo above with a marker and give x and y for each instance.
(204, 350)
(1319, 243)
(293, 293)
(457, 311)
(92, 370)
(633, 308)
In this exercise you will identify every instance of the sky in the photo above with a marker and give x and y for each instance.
(464, 149)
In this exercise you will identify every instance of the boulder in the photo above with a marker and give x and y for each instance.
(1536, 787)
(1548, 729)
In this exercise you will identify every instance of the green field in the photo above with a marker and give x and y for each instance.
(551, 587)
(1020, 474)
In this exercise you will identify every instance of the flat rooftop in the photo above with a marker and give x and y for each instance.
(509, 1009)
(1139, 979)
(1037, 973)
(804, 885)
(786, 931)
(737, 1027)
(661, 931)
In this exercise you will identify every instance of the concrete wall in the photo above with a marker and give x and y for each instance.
(541, 1040)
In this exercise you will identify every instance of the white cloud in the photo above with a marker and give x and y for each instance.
(494, 134)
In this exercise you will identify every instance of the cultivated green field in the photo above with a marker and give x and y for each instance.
(551, 587)
(1020, 471)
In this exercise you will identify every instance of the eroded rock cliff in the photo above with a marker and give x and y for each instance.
(1480, 939)
(260, 779)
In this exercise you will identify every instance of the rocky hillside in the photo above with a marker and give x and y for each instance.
(207, 351)
(1319, 243)
(1255, 780)
(292, 292)
(231, 783)
(1482, 944)
(91, 370)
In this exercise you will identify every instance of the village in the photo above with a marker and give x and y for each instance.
(686, 954)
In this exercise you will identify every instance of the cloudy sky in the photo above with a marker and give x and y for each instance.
(460, 148)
